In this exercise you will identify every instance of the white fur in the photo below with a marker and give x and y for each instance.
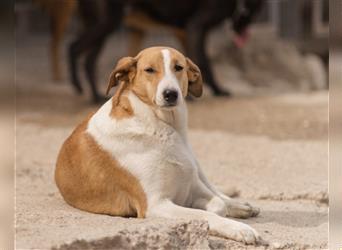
(153, 146)
(169, 81)
(146, 145)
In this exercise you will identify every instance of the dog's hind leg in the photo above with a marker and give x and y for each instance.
(219, 226)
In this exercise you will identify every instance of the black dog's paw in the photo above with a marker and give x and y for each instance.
(77, 87)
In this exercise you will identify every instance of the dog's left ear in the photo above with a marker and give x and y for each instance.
(195, 86)
(124, 71)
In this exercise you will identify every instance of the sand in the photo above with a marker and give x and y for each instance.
(271, 150)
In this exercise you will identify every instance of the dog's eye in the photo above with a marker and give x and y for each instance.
(178, 67)
(150, 70)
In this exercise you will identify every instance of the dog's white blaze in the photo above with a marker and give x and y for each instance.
(167, 61)
(169, 81)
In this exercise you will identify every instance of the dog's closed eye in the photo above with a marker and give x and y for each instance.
(150, 70)
(178, 67)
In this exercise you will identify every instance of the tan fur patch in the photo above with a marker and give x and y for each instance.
(90, 179)
(145, 85)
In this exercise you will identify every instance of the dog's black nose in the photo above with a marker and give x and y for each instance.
(170, 96)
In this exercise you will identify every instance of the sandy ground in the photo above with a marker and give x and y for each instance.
(272, 150)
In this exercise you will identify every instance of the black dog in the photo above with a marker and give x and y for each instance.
(196, 17)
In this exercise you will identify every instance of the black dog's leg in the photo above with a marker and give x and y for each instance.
(91, 41)
(109, 22)
(74, 54)
(91, 59)
(90, 70)
(88, 10)
(99, 22)
(197, 28)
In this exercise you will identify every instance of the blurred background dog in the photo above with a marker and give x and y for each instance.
(190, 22)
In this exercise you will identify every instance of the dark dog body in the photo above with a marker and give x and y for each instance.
(196, 18)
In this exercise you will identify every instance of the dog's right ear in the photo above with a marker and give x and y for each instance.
(124, 71)
(195, 79)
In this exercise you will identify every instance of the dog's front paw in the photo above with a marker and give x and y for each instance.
(244, 233)
(241, 210)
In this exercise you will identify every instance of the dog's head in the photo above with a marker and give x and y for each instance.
(159, 76)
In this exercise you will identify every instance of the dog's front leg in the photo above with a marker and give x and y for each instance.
(238, 209)
(235, 208)
(219, 226)
(206, 197)
(203, 198)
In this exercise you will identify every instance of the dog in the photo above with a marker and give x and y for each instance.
(194, 18)
(132, 157)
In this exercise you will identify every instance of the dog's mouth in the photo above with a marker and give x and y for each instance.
(168, 106)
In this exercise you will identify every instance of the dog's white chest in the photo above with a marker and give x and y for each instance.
(163, 165)
(154, 152)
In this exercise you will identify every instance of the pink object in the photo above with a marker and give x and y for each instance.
(241, 39)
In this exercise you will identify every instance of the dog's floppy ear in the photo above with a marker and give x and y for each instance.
(124, 71)
(195, 86)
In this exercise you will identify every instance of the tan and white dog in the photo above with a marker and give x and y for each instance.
(132, 157)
